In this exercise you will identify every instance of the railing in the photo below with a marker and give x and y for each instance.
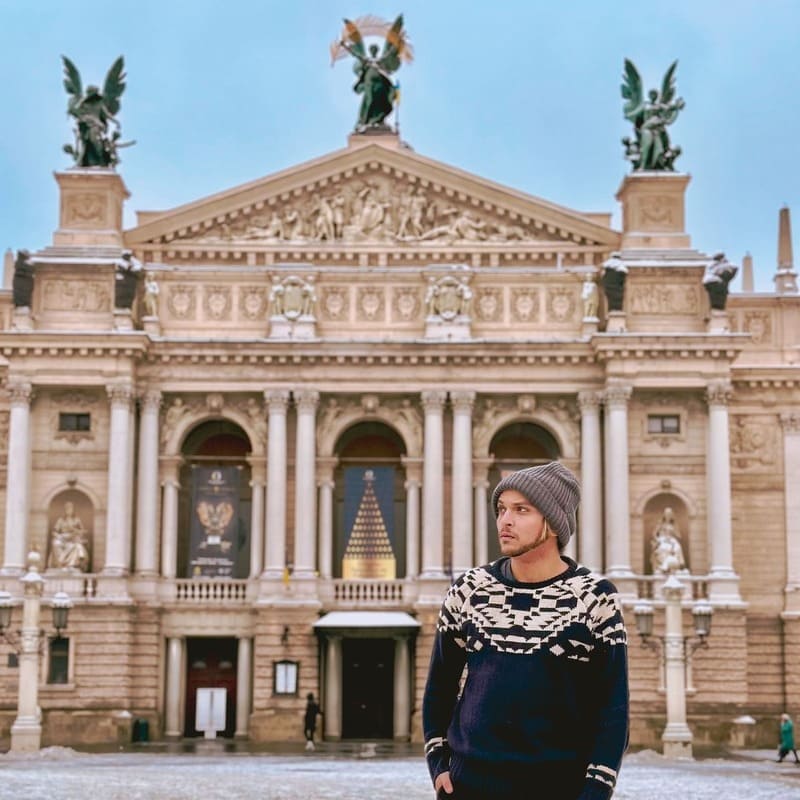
(207, 590)
(369, 593)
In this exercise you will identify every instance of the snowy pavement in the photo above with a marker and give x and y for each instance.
(64, 774)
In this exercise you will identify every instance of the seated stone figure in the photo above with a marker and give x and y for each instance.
(667, 553)
(68, 542)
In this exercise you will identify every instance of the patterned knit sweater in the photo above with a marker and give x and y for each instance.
(544, 695)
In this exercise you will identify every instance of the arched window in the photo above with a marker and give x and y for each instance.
(215, 502)
(369, 503)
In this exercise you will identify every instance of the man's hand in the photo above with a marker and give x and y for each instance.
(444, 783)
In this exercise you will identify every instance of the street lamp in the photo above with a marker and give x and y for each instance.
(26, 732)
(675, 650)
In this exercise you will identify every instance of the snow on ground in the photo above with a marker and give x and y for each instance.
(65, 774)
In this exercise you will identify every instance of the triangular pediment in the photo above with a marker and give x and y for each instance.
(371, 196)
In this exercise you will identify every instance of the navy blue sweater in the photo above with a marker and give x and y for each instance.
(544, 696)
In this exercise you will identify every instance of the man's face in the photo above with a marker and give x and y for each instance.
(519, 524)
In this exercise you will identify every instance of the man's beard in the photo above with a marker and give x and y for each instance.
(543, 537)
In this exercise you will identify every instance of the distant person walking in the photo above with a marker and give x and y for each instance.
(310, 720)
(787, 739)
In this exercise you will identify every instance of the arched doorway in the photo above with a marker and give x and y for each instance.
(369, 503)
(214, 502)
(518, 445)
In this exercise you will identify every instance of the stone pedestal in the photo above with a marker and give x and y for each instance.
(615, 322)
(151, 325)
(90, 207)
(589, 326)
(123, 321)
(21, 319)
(457, 329)
(653, 211)
(717, 321)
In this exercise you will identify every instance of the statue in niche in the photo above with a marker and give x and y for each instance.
(374, 72)
(719, 273)
(97, 130)
(151, 292)
(590, 297)
(68, 542)
(666, 554)
(651, 148)
(612, 279)
(22, 282)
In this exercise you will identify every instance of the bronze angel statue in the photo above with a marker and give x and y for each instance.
(373, 70)
(651, 149)
(97, 130)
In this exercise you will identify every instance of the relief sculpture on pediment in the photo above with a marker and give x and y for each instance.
(376, 208)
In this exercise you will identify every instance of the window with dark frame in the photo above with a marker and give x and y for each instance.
(285, 677)
(74, 422)
(58, 662)
(664, 423)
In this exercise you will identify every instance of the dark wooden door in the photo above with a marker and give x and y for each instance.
(211, 664)
(367, 688)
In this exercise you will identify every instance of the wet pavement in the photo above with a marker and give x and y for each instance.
(221, 771)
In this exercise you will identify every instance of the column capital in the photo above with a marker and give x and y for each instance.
(277, 400)
(20, 391)
(790, 422)
(480, 470)
(719, 392)
(170, 465)
(413, 470)
(150, 399)
(433, 400)
(120, 393)
(306, 399)
(590, 400)
(462, 400)
(325, 468)
(617, 394)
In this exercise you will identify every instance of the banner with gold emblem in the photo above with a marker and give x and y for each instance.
(214, 534)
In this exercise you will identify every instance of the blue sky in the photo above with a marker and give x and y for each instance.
(525, 93)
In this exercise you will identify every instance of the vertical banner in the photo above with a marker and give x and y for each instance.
(214, 533)
(369, 523)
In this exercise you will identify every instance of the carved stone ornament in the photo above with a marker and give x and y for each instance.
(719, 393)
(759, 325)
(370, 303)
(20, 393)
(215, 401)
(790, 422)
(489, 305)
(5, 417)
(85, 208)
(252, 302)
(618, 395)
(257, 416)
(292, 297)
(561, 304)
(407, 303)
(120, 394)
(181, 301)
(662, 299)
(524, 305)
(77, 295)
(217, 302)
(448, 297)
(177, 409)
(335, 303)
(753, 443)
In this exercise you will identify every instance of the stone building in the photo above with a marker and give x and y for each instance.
(253, 438)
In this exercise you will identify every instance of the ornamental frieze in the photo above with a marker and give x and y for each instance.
(759, 325)
(377, 208)
(406, 303)
(370, 303)
(253, 302)
(488, 305)
(524, 305)
(335, 303)
(84, 208)
(181, 301)
(561, 304)
(217, 302)
(657, 298)
(77, 295)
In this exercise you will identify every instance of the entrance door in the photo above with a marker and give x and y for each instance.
(211, 664)
(367, 688)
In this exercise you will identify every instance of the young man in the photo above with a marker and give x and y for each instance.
(541, 710)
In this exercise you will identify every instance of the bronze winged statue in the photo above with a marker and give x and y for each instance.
(373, 70)
(97, 130)
(651, 149)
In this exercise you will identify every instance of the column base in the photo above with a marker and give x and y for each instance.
(677, 748)
(723, 588)
(432, 589)
(26, 735)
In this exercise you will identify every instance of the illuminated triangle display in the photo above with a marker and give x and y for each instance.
(369, 551)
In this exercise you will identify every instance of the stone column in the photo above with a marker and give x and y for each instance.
(147, 485)
(433, 499)
(677, 737)
(791, 508)
(26, 731)
(275, 532)
(618, 531)
(305, 492)
(257, 482)
(591, 511)
(723, 582)
(244, 681)
(325, 467)
(172, 706)
(333, 688)
(402, 690)
(18, 477)
(170, 483)
(118, 521)
(481, 511)
(412, 484)
(461, 507)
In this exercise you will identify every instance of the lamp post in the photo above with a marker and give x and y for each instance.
(26, 732)
(675, 650)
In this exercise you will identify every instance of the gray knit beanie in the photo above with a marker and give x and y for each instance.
(552, 489)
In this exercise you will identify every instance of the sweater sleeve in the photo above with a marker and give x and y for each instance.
(448, 658)
(611, 738)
